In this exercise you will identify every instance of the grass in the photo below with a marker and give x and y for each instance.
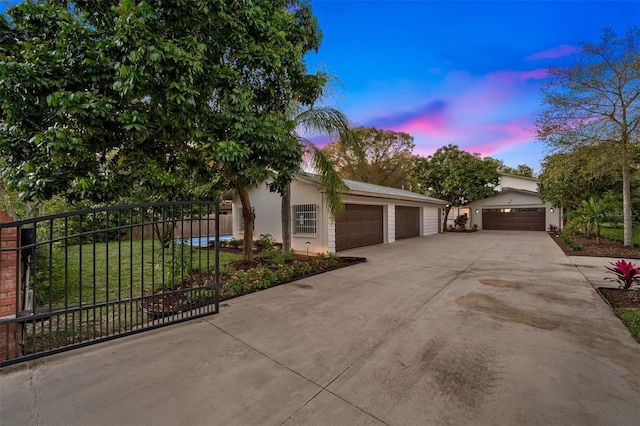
(631, 318)
(617, 234)
(113, 271)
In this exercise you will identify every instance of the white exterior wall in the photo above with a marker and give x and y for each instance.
(306, 193)
(430, 219)
(518, 182)
(266, 206)
(391, 223)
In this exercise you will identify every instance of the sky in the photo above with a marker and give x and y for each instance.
(467, 73)
(458, 72)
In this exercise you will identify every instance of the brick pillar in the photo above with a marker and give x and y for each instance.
(9, 289)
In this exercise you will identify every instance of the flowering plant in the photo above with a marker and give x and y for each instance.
(553, 228)
(626, 273)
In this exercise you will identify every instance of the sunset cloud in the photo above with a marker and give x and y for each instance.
(553, 53)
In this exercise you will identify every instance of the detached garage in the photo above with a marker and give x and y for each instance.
(515, 207)
(373, 214)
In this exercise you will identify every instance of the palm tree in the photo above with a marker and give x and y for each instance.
(334, 123)
(589, 217)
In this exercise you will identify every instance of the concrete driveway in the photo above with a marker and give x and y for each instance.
(489, 328)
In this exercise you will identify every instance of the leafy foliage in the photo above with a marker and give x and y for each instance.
(568, 178)
(102, 97)
(372, 155)
(588, 218)
(626, 273)
(520, 170)
(461, 221)
(456, 176)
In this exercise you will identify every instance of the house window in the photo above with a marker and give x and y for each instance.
(305, 219)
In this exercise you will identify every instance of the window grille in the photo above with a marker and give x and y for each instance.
(305, 219)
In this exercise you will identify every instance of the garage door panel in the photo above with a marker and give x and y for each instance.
(407, 222)
(514, 219)
(358, 226)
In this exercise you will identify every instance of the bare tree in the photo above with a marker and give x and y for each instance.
(596, 102)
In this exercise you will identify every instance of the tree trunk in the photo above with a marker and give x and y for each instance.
(626, 195)
(285, 212)
(447, 209)
(249, 217)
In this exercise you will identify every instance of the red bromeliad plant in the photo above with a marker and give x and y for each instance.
(626, 273)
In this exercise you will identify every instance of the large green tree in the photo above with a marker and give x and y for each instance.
(98, 95)
(381, 157)
(596, 102)
(566, 179)
(456, 176)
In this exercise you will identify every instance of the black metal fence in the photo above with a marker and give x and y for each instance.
(87, 276)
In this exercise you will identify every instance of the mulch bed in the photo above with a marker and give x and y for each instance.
(607, 248)
(177, 299)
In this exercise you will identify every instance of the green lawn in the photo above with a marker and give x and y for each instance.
(115, 270)
(617, 234)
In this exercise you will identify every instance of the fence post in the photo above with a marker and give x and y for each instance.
(9, 291)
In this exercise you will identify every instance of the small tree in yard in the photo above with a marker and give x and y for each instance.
(589, 217)
(96, 95)
(456, 176)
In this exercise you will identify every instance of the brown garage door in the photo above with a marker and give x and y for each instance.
(358, 226)
(407, 222)
(514, 219)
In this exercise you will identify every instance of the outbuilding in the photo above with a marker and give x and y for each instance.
(373, 214)
(517, 206)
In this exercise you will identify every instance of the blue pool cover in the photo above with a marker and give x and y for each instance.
(204, 241)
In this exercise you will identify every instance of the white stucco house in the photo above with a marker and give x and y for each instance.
(516, 206)
(373, 214)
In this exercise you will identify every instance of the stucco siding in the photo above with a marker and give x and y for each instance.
(518, 182)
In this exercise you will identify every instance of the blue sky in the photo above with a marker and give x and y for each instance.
(456, 72)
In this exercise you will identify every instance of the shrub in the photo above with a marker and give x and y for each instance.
(626, 273)
(461, 221)
(572, 244)
(235, 244)
(276, 256)
(265, 242)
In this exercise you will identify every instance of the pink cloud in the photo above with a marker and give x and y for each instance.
(500, 137)
(510, 77)
(555, 52)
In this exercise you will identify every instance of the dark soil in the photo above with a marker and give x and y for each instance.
(607, 248)
(176, 299)
(621, 298)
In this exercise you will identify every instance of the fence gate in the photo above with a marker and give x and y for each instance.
(82, 277)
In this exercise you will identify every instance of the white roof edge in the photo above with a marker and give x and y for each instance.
(379, 191)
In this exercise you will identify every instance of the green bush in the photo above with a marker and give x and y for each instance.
(572, 244)
(276, 256)
(235, 243)
(265, 242)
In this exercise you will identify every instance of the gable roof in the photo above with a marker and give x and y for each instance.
(377, 191)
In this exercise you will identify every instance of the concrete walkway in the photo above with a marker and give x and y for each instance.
(490, 328)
